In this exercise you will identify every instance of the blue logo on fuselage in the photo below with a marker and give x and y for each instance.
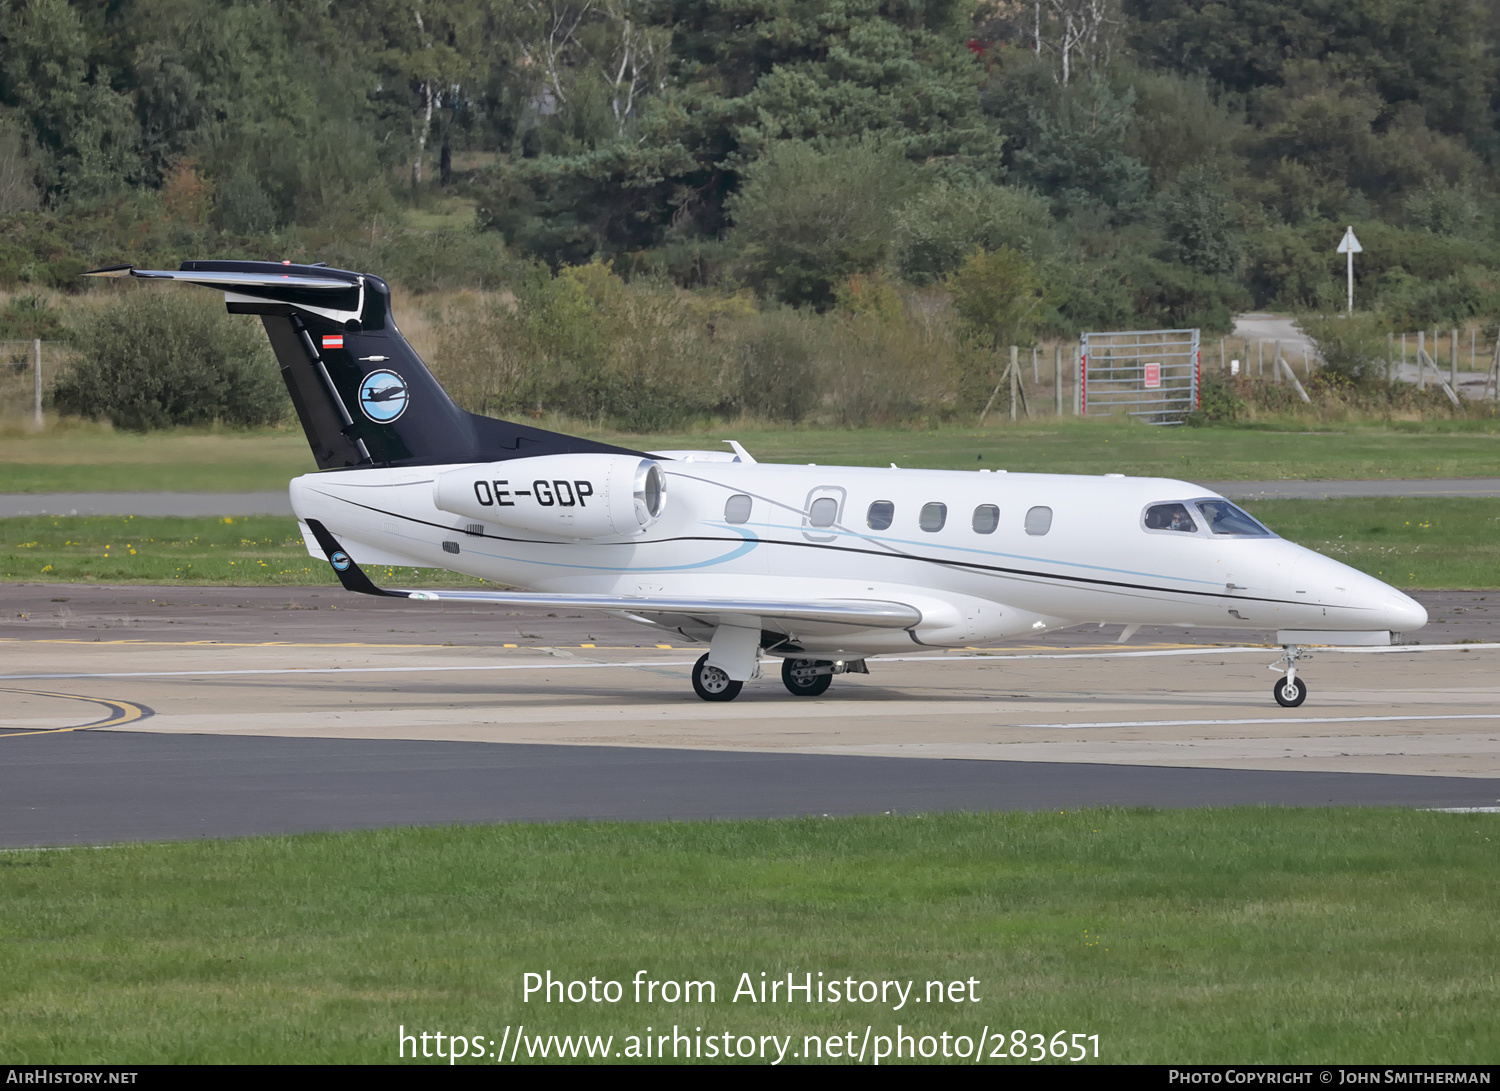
(383, 396)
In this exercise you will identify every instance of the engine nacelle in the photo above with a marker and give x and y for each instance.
(566, 496)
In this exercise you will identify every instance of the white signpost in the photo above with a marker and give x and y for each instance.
(1349, 246)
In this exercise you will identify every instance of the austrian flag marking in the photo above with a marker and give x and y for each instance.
(333, 340)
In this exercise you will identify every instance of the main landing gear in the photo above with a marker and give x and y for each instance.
(806, 677)
(712, 683)
(1289, 691)
(802, 677)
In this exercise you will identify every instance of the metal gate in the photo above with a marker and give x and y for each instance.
(1151, 374)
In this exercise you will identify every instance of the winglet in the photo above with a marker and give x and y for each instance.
(741, 455)
(111, 271)
(350, 574)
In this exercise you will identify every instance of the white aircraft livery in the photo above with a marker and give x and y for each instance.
(819, 566)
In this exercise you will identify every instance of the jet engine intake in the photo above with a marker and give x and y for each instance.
(565, 496)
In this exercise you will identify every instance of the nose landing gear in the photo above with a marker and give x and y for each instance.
(1290, 691)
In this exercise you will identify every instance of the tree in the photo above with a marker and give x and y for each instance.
(746, 78)
(1199, 223)
(1078, 156)
(807, 219)
(84, 131)
(939, 227)
(998, 297)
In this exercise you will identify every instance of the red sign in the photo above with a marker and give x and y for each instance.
(1153, 376)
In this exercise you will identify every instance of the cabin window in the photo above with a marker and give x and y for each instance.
(1038, 521)
(1224, 518)
(737, 508)
(880, 515)
(986, 519)
(823, 512)
(933, 517)
(1170, 517)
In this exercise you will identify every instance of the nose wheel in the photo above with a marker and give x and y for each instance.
(1289, 691)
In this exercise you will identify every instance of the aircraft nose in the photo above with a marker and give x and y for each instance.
(1401, 613)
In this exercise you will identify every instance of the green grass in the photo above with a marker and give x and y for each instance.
(81, 458)
(1408, 542)
(1463, 449)
(1412, 543)
(94, 459)
(241, 550)
(1235, 935)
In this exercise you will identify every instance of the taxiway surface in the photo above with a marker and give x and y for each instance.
(144, 712)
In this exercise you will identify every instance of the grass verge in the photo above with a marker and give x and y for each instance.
(254, 550)
(1413, 543)
(1235, 935)
(83, 458)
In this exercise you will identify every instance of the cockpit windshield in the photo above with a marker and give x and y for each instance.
(1199, 516)
(1224, 518)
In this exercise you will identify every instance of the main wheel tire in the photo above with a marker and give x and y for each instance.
(1289, 694)
(799, 687)
(712, 684)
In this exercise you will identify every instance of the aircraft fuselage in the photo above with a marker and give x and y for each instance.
(1005, 554)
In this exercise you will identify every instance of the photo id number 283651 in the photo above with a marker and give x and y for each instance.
(1024, 1046)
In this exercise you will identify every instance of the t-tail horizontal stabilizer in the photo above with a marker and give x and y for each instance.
(363, 395)
(851, 613)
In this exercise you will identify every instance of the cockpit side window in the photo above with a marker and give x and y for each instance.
(1224, 518)
(1170, 517)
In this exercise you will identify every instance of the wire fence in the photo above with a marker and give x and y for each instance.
(28, 370)
(1466, 361)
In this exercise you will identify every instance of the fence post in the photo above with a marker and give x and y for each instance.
(1015, 380)
(1453, 359)
(1275, 364)
(1421, 348)
(36, 371)
(1078, 365)
(1057, 378)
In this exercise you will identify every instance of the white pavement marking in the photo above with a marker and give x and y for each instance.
(1276, 720)
(554, 664)
(350, 670)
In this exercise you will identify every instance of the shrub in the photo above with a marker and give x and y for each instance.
(1352, 350)
(156, 358)
(1219, 402)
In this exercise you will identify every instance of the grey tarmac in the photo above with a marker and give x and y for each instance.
(145, 712)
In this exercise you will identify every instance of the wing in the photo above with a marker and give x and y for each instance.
(856, 613)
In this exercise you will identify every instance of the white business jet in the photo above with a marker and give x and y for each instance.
(820, 566)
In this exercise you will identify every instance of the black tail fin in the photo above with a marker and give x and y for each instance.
(363, 395)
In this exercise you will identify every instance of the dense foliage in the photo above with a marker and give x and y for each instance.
(1148, 162)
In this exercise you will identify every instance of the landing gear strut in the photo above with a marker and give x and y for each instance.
(1290, 691)
(712, 684)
